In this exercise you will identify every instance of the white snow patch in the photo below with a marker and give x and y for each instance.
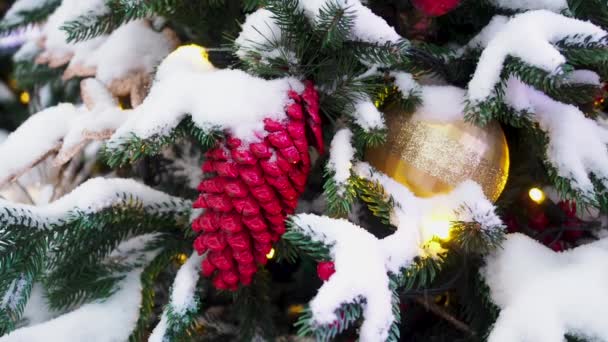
(6, 94)
(34, 138)
(367, 116)
(577, 144)
(405, 82)
(56, 39)
(341, 155)
(109, 320)
(97, 194)
(347, 285)
(527, 36)
(384, 256)
(132, 47)
(552, 5)
(583, 77)
(441, 104)
(367, 26)
(525, 278)
(14, 13)
(227, 99)
(259, 33)
(182, 293)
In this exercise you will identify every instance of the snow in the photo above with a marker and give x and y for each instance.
(184, 286)
(543, 294)
(6, 95)
(527, 36)
(27, 51)
(552, 5)
(583, 77)
(367, 26)
(56, 44)
(132, 47)
(109, 320)
(14, 13)
(341, 154)
(97, 194)
(441, 104)
(367, 116)
(391, 254)
(573, 154)
(36, 310)
(347, 284)
(34, 138)
(257, 33)
(182, 294)
(405, 82)
(232, 100)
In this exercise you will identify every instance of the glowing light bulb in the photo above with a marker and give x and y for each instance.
(201, 50)
(181, 258)
(24, 97)
(270, 254)
(437, 226)
(536, 195)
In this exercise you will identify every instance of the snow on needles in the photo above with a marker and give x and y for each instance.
(56, 44)
(347, 285)
(527, 36)
(367, 116)
(543, 294)
(97, 194)
(341, 154)
(186, 84)
(259, 32)
(182, 294)
(110, 320)
(20, 6)
(34, 138)
(383, 256)
(132, 47)
(577, 144)
(552, 5)
(367, 26)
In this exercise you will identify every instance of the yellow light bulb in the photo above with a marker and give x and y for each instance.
(295, 309)
(24, 97)
(437, 225)
(202, 51)
(270, 254)
(536, 195)
(181, 258)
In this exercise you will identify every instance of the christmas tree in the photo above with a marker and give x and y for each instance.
(294, 170)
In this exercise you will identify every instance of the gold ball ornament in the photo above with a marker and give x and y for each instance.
(432, 158)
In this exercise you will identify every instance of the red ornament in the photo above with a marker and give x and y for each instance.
(325, 269)
(539, 221)
(435, 8)
(251, 188)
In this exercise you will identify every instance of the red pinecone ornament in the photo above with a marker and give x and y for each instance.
(251, 189)
(435, 8)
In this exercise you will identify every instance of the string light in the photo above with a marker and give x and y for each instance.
(295, 309)
(181, 258)
(202, 51)
(270, 254)
(437, 226)
(536, 195)
(24, 97)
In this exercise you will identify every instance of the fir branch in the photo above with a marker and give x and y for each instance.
(347, 314)
(340, 197)
(29, 74)
(254, 308)
(593, 10)
(134, 148)
(378, 201)
(472, 238)
(333, 24)
(118, 13)
(304, 243)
